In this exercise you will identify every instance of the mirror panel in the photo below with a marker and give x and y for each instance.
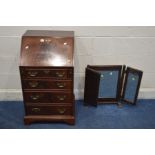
(108, 84)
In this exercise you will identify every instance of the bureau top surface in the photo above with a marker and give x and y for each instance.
(48, 33)
(47, 48)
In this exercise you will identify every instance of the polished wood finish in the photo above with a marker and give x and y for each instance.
(92, 79)
(48, 96)
(47, 76)
(47, 72)
(69, 119)
(47, 84)
(42, 49)
(49, 110)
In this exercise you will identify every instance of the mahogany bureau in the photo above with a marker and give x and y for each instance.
(47, 73)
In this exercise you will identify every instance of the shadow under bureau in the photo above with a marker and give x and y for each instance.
(47, 76)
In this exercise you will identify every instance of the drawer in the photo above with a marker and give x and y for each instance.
(48, 97)
(49, 110)
(47, 84)
(46, 73)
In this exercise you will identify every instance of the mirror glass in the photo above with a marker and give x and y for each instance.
(108, 84)
(131, 87)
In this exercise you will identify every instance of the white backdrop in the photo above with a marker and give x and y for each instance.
(132, 46)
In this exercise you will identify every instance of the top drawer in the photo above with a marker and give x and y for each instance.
(66, 73)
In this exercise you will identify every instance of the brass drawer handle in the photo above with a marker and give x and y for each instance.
(33, 84)
(61, 98)
(46, 71)
(61, 85)
(32, 73)
(60, 74)
(61, 110)
(35, 109)
(35, 97)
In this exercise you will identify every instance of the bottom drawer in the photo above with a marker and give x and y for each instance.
(48, 110)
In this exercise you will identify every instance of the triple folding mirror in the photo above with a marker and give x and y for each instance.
(108, 84)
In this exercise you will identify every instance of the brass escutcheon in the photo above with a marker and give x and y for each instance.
(61, 98)
(60, 74)
(34, 97)
(46, 71)
(61, 85)
(35, 109)
(61, 110)
(33, 84)
(32, 73)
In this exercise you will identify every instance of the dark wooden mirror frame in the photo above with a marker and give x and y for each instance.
(134, 71)
(92, 76)
(94, 87)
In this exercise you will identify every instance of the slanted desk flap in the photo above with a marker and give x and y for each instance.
(131, 85)
(40, 49)
(92, 79)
